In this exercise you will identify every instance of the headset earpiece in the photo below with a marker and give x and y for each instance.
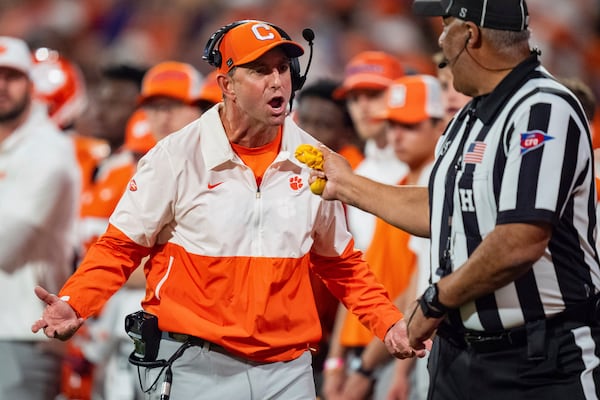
(468, 38)
(211, 54)
(297, 79)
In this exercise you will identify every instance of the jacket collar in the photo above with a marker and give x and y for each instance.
(489, 105)
(216, 149)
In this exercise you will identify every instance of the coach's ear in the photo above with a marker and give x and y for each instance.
(226, 84)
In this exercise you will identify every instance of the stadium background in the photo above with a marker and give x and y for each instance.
(94, 33)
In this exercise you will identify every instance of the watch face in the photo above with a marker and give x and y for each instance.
(429, 294)
(355, 364)
(430, 304)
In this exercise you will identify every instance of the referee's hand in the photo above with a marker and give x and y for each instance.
(396, 341)
(58, 320)
(337, 171)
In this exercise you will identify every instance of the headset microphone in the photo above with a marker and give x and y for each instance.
(451, 61)
(309, 36)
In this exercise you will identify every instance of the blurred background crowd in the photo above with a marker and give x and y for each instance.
(96, 32)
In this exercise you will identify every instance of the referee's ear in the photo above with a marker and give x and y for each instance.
(474, 35)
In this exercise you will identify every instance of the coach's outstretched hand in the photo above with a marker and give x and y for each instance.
(396, 341)
(59, 320)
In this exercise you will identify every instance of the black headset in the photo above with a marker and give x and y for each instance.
(213, 56)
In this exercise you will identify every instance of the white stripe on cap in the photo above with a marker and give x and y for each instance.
(483, 12)
(523, 22)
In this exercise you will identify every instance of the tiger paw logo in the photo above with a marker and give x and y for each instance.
(132, 186)
(296, 183)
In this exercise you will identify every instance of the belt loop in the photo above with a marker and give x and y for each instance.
(536, 340)
(206, 345)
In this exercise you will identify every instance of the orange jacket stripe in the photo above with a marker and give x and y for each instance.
(113, 252)
(227, 300)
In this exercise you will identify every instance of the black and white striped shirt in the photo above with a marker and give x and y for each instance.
(520, 154)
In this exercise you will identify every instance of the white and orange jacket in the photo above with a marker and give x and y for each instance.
(229, 260)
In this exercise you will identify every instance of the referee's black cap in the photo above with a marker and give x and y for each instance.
(508, 15)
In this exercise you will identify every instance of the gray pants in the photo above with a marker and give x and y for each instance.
(27, 372)
(204, 374)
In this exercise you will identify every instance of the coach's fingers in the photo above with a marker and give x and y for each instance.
(45, 296)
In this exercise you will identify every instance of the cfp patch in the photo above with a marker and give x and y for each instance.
(533, 140)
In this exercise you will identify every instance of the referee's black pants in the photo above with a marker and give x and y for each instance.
(562, 363)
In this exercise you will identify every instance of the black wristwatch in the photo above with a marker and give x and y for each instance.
(356, 365)
(430, 304)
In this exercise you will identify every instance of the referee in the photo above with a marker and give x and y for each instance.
(510, 213)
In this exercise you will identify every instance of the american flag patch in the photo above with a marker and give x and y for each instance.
(474, 153)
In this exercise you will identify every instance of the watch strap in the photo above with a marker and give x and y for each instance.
(357, 366)
(432, 307)
(429, 311)
(365, 372)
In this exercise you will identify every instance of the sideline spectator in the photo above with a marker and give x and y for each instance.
(169, 96)
(39, 190)
(327, 119)
(367, 77)
(415, 119)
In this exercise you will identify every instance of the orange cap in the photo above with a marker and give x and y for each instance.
(138, 137)
(369, 70)
(413, 99)
(250, 40)
(174, 79)
(210, 90)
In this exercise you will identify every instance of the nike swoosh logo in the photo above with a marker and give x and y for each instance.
(213, 186)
